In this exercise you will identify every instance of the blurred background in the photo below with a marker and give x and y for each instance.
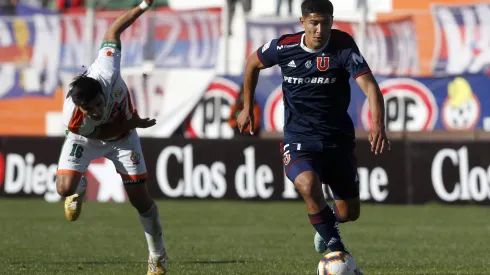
(183, 62)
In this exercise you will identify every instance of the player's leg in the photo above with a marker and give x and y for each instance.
(345, 187)
(340, 173)
(304, 169)
(347, 210)
(130, 164)
(344, 183)
(75, 156)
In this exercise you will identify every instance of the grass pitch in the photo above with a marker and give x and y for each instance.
(217, 237)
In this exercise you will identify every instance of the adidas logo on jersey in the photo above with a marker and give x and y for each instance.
(292, 64)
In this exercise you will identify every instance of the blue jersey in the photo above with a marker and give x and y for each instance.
(316, 86)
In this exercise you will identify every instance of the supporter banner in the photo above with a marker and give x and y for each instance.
(462, 39)
(160, 95)
(170, 39)
(251, 169)
(424, 104)
(208, 118)
(164, 96)
(412, 104)
(73, 30)
(391, 47)
(29, 54)
(41, 52)
(186, 39)
(202, 106)
(43, 43)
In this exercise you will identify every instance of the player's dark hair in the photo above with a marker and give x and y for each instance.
(316, 6)
(84, 89)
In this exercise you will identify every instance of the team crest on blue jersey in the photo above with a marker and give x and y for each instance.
(322, 63)
(118, 92)
(308, 64)
(286, 159)
(110, 52)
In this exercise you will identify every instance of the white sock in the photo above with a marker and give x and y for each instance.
(153, 231)
(82, 185)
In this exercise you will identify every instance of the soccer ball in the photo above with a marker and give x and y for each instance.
(337, 263)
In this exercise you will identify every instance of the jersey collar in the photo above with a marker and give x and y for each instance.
(303, 45)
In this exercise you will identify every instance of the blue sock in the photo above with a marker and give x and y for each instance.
(325, 223)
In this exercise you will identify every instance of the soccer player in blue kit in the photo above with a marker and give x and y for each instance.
(319, 135)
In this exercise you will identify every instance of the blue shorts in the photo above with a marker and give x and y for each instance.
(336, 167)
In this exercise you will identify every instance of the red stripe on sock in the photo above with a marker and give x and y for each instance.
(315, 219)
(319, 217)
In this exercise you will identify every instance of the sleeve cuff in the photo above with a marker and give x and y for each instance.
(260, 60)
(113, 45)
(362, 73)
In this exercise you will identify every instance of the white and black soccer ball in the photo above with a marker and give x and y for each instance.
(337, 263)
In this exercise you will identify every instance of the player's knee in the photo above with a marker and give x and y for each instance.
(354, 214)
(354, 209)
(347, 211)
(305, 183)
(139, 197)
(310, 189)
(64, 185)
(141, 204)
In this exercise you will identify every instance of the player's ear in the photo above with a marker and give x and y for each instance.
(302, 21)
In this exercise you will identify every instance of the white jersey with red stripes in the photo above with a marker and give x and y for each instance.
(125, 150)
(107, 71)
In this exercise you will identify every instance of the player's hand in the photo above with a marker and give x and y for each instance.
(378, 139)
(138, 122)
(245, 118)
(149, 2)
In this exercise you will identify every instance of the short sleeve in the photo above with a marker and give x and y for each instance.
(109, 56)
(268, 54)
(354, 62)
(79, 124)
(74, 120)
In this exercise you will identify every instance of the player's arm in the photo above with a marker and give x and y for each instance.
(370, 87)
(359, 69)
(265, 57)
(110, 130)
(113, 34)
(250, 80)
(118, 127)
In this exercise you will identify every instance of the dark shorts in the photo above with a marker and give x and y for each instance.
(334, 166)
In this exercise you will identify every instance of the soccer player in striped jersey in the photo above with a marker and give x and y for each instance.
(101, 122)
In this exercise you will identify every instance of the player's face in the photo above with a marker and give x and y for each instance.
(94, 109)
(317, 29)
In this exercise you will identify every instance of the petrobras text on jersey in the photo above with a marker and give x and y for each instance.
(309, 80)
